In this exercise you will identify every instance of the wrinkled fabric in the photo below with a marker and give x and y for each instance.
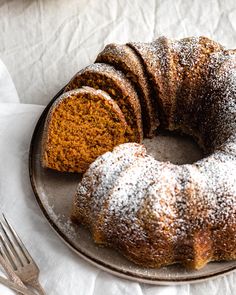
(8, 92)
(43, 43)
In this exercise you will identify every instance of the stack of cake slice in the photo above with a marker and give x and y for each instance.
(83, 123)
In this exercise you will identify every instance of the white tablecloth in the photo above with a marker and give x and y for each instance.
(43, 43)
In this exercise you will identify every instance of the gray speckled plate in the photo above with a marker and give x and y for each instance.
(54, 192)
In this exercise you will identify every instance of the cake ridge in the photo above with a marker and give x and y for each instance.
(125, 59)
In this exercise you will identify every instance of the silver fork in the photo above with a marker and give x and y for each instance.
(15, 253)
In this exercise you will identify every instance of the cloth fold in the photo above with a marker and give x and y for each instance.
(8, 92)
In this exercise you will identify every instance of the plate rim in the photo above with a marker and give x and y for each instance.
(101, 265)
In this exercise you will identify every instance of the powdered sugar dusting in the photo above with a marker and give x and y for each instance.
(221, 104)
(187, 50)
(64, 224)
(165, 207)
(102, 175)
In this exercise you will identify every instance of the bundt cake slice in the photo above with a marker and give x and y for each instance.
(107, 78)
(125, 59)
(193, 246)
(193, 66)
(159, 65)
(81, 125)
(157, 216)
(123, 226)
(218, 105)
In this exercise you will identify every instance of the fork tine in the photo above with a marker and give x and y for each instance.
(3, 254)
(18, 241)
(7, 252)
(17, 253)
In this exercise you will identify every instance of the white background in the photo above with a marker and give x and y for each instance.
(43, 43)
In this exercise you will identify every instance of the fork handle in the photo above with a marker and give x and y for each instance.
(37, 286)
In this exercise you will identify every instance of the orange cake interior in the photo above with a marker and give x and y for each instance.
(82, 125)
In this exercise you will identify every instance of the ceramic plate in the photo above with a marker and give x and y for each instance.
(54, 192)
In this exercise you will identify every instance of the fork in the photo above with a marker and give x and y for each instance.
(16, 254)
(14, 281)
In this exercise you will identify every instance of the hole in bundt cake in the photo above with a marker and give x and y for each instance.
(175, 148)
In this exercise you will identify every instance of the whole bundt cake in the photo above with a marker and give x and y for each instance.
(157, 213)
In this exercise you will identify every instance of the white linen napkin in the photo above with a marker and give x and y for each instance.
(62, 271)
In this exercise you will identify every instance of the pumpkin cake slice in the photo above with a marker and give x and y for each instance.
(114, 82)
(81, 125)
(125, 59)
(157, 59)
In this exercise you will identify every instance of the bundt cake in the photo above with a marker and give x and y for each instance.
(158, 213)
(81, 125)
(105, 77)
(123, 58)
